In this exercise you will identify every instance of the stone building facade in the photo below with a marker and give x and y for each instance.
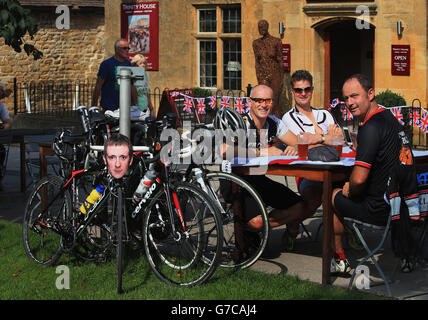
(68, 54)
(332, 39)
(324, 38)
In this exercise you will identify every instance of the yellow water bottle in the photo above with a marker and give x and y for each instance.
(91, 199)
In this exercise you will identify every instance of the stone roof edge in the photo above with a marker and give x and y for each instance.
(64, 2)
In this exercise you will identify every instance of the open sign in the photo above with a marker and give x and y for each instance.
(400, 60)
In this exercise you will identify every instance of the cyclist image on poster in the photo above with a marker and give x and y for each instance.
(138, 34)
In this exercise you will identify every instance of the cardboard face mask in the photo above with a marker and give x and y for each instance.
(118, 160)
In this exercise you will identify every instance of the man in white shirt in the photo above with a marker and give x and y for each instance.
(319, 125)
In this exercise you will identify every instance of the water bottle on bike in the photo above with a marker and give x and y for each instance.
(144, 185)
(91, 199)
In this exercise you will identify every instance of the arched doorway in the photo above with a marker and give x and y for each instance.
(348, 49)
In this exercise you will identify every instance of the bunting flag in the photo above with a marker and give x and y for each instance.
(224, 102)
(396, 111)
(247, 104)
(423, 122)
(239, 105)
(415, 116)
(347, 115)
(174, 94)
(212, 102)
(334, 104)
(200, 106)
(188, 104)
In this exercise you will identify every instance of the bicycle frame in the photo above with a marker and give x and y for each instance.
(171, 197)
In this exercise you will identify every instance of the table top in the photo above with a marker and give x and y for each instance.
(347, 160)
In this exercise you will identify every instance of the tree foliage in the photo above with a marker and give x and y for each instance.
(15, 23)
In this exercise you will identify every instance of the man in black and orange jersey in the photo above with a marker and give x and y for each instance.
(379, 143)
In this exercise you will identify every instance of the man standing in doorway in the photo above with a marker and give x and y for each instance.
(106, 84)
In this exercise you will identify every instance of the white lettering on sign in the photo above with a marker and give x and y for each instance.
(140, 6)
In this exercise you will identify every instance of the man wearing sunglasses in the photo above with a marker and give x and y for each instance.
(106, 84)
(318, 126)
(288, 206)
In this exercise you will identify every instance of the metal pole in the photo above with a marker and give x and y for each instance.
(125, 102)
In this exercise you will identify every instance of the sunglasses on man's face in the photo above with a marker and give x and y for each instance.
(301, 90)
(260, 100)
(124, 48)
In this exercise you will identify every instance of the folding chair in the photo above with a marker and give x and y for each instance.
(5, 142)
(371, 252)
(32, 161)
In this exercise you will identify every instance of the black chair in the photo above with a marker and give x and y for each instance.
(32, 156)
(357, 226)
(5, 141)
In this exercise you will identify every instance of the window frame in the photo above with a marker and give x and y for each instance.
(219, 36)
(199, 24)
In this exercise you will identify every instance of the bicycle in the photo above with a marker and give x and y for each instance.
(182, 223)
(241, 247)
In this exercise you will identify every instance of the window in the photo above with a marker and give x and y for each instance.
(208, 63)
(219, 47)
(232, 64)
(232, 20)
(207, 20)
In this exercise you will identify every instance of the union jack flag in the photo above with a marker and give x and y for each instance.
(225, 102)
(200, 106)
(188, 104)
(415, 115)
(333, 104)
(347, 115)
(212, 101)
(423, 122)
(247, 104)
(174, 94)
(396, 111)
(240, 107)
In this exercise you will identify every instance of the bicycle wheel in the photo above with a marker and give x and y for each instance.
(241, 247)
(93, 242)
(177, 258)
(47, 215)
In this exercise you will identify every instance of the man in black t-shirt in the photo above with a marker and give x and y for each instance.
(378, 141)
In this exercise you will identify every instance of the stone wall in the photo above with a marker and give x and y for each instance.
(73, 54)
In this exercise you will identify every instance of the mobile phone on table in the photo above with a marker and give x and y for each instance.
(347, 136)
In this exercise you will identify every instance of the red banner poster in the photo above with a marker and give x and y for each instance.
(140, 26)
(286, 57)
(400, 60)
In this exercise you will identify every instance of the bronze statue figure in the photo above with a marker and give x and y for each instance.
(269, 65)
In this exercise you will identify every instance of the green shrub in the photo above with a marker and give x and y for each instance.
(388, 98)
(201, 92)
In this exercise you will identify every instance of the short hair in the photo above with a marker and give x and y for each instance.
(363, 81)
(118, 139)
(116, 43)
(300, 75)
(260, 86)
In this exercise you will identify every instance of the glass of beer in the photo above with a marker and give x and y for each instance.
(302, 147)
(337, 143)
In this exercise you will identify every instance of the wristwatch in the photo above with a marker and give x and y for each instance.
(322, 138)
